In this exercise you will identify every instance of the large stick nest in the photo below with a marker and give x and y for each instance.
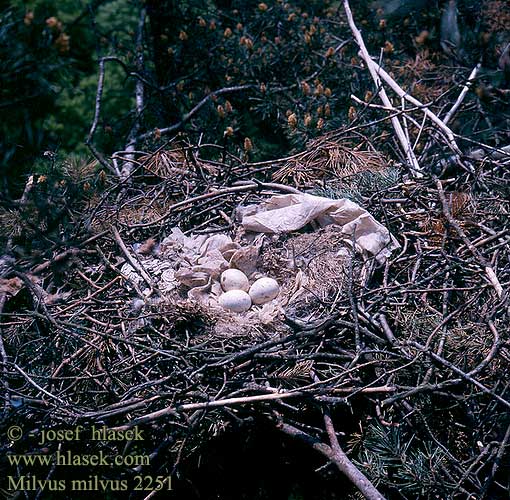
(400, 349)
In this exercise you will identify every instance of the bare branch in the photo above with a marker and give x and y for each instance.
(194, 110)
(97, 112)
(127, 167)
(337, 456)
(373, 68)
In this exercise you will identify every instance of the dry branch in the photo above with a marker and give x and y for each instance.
(374, 72)
(337, 456)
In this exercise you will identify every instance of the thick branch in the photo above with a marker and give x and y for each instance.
(337, 456)
(127, 167)
(97, 112)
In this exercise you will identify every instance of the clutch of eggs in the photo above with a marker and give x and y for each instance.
(239, 295)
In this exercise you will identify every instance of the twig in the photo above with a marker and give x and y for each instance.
(386, 329)
(193, 111)
(462, 95)
(491, 152)
(245, 186)
(209, 404)
(29, 379)
(462, 374)
(139, 269)
(491, 275)
(497, 461)
(3, 353)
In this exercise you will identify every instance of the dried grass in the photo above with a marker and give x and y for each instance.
(177, 163)
(313, 269)
(327, 158)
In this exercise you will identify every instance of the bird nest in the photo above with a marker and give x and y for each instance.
(385, 349)
(316, 270)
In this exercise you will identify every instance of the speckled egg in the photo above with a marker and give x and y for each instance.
(263, 290)
(233, 279)
(235, 300)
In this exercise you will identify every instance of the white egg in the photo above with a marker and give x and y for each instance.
(235, 301)
(233, 279)
(264, 290)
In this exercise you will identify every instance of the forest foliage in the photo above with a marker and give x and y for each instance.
(293, 62)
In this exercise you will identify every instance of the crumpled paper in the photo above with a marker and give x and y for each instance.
(201, 259)
(291, 212)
